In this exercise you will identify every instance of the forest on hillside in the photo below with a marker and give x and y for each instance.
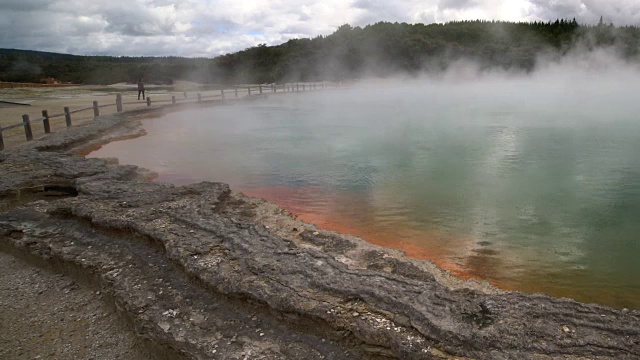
(380, 50)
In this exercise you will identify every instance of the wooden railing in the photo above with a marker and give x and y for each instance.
(224, 94)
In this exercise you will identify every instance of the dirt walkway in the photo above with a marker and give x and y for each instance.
(49, 316)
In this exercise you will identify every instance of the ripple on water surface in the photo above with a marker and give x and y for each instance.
(523, 200)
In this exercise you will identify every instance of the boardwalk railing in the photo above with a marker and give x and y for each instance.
(224, 94)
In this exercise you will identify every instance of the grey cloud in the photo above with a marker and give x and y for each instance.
(25, 5)
(426, 17)
(84, 27)
(382, 10)
(457, 4)
(304, 17)
(551, 9)
(212, 27)
(296, 30)
(18, 26)
(163, 2)
(135, 22)
(619, 12)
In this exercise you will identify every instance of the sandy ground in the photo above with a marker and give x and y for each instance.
(49, 316)
(55, 99)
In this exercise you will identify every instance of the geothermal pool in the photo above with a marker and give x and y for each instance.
(530, 187)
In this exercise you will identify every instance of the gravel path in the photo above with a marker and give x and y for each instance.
(49, 316)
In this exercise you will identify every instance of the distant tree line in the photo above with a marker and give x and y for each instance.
(381, 49)
(33, 66)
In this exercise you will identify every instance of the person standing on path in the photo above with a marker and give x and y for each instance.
(141, 88)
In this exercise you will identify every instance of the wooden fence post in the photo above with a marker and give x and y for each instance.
(199, 97)
(249, 90)
(119, 102)
(273, 88)
(222, 93)
(297, 87)
(236, 93)
(1, 140)
(27, 127)
(67, 116)
(173, 99)
(96, 109)
(148, 101)
(45, 122)
(260, 89)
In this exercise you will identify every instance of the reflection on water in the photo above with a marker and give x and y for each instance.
(529, 197)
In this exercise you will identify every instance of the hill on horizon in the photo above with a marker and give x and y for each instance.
(380, 50)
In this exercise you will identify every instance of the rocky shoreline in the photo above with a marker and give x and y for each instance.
(203, 272)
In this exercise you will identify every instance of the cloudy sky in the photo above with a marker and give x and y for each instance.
(212, 27)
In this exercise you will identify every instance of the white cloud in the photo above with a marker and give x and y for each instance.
(213, 27)
(619, 12)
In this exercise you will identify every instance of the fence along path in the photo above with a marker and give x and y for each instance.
(53, 121)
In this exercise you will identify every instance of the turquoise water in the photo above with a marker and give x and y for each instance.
(531, 188)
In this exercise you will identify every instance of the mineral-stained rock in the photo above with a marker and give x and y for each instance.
(210, 273)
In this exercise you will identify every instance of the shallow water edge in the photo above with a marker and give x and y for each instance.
(510, 203)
